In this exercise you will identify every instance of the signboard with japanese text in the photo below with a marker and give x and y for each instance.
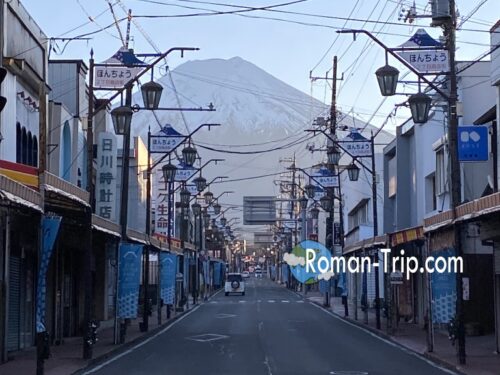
(113, 77)
(118, 70)
(165, 140)
(184, 173)
(336, 234)
(324, 177)
(106, 176)
(427, 61)
(473, 143)
(161, 210)
(192, 189)
(356, 145)
(424, 53)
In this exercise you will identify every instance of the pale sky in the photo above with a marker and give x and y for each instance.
(289, 51)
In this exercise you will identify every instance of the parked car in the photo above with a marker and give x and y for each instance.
(245, 274)
(234, 284)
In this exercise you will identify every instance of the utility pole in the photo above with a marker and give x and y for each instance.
(456, 196)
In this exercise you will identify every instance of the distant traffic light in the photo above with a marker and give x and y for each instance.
(3, 99)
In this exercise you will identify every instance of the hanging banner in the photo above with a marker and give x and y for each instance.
(50, 229)
(444, 291)
(192, 189)
(162, 205)
(129, 273)
(165, 140)
(168, 272)
(217, 273)
(206, 272)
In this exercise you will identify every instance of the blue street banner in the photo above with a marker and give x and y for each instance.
(50, 229)
(473, 143)
(217, 273)
(129, 273)
(206, 272)
(444, 291)
(168, 272)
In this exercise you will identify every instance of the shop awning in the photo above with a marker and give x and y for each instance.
(105, 226)
(19, 194)
(407, 235)
(366, 244)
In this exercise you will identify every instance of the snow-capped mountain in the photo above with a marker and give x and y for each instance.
(256, 112)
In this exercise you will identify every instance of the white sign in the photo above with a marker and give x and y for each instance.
(161, 211)
(106, 176)
(427, 61)
(396, 278)
(327, 181)
(164, 144)
(192, 189)
(113, 77)
(357, 148)
(184, 174)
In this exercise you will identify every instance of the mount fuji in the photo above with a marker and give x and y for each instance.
(255, 110)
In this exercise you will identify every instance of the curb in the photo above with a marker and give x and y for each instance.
(127, 345)
(427, 355)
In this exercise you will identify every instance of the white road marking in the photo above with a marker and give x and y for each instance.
(300, 301)
(285, 301)
(389, 342)
(271, 301)
(242, 301)
(111, 360)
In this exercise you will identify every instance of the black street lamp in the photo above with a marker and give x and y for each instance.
(314, 213)
(151, 94)
(223, 221)
(169, 171)
(420, 105)
(206, 219)
(185, 196)
(333, 153)
(196, 208)
(387, 77)
(326, 203)
(122, 118)
(303, 203)
(217, 208)
(189, 155)
(208, 197)
(310, 190)
(201, 183)
(353, 172)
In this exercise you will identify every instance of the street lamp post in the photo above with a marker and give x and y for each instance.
(419, 107)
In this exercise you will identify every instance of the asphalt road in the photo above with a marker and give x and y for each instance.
(268, 331)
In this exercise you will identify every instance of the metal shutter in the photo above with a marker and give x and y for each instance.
(14, 304)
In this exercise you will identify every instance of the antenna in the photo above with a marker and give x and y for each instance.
(117, 24)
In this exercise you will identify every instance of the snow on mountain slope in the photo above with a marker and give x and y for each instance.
(252, 107)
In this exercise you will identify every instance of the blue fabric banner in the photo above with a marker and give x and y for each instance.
(129, 273)
(168, 272)
(50, 229)
(217, 273)
(444, 291)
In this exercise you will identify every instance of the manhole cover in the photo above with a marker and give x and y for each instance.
(348, 373)
(207, 337)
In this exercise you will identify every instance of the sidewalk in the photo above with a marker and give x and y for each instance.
(481, 356)
(67, 358)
